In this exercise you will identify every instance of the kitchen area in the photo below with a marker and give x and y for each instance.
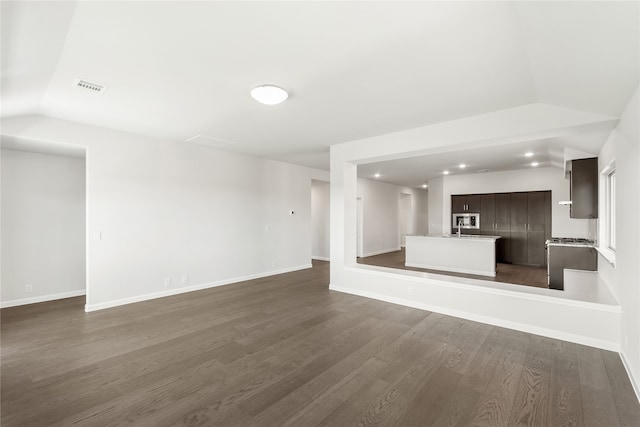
(512, 231)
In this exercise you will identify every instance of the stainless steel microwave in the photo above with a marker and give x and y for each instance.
(466, 220)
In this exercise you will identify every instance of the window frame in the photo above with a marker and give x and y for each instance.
(607, 214)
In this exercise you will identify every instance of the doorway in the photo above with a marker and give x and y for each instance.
(405, 216)
(359, 227)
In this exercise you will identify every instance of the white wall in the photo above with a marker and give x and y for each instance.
(43, 227)
(320, 220)
(534, 179)
(586, 323)
(167, 209)
(627, 275)
(436, 210)
(381, 211)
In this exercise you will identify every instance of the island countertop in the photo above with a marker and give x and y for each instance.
(468, 253)
(456, 237)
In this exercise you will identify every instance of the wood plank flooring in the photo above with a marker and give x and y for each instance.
(284, 350)
(505, 273)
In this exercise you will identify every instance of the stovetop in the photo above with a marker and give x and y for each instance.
(570, 241)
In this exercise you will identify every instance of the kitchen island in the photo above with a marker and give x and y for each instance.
(469, 254)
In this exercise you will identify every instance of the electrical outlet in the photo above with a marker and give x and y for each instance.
(410, 290)
(28, 288)
(167, 282)
(185, 279)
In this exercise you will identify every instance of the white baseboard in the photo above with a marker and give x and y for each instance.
(43, 298)
(551, 333)
(320, 258)
(170, 292)
(634, 383)
(384, 251)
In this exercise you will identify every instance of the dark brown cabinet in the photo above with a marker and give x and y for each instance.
(503, 227)
(530, 219)
(487, 213)
(503, 211)
(522, 220)
(584, 188)
(465, 203)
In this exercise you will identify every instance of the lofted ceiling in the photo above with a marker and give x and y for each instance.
(353, 69)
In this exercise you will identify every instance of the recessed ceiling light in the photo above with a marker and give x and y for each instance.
(269, 94)
(376, 175)
(528, 154)
(445, 172)
(534, 164)
(424, 185)
(462, 165)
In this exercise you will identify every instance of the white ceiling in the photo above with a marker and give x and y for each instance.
(416, 171)
(353, 69)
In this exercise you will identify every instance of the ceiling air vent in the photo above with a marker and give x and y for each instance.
(91, 87)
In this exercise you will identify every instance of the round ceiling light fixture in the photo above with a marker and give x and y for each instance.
(269, 94)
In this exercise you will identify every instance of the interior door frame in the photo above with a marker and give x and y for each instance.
(359, 227)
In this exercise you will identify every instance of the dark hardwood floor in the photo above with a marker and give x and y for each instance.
(505, 273)
(284, 350)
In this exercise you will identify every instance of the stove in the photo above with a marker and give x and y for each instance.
(570, 241)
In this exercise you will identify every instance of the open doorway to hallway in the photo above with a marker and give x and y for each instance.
(319, 220)
(43, 240)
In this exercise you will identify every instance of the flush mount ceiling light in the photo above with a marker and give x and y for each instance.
(376, 175)
(462, 166)
(534, 164)
(269, 94)
(424, 185)
(445, 172)
(528, 154)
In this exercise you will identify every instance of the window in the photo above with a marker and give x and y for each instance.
(607, 224)
(611, 209)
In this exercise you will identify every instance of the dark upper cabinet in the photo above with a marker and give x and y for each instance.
(584, 188)
(465, 203)
(473, 203)
(458, 204)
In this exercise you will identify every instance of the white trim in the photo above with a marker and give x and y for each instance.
(451, 269)
(608, 255)
(634, 383)
(384, 251)
(43, 298)
(138, 298)
(321, 258)
(551, 333)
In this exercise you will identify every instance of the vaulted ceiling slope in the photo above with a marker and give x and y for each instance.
(353, 69)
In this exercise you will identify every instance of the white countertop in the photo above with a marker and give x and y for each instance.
(456, 237)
